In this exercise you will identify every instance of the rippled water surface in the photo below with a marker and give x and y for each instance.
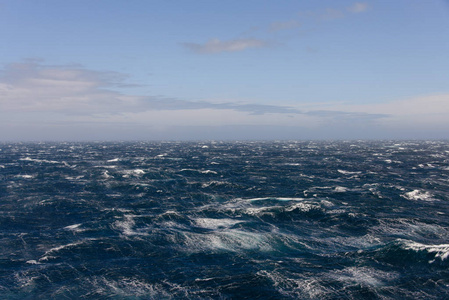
(255, 220)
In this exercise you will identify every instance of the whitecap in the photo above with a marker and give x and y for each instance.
(71, 227)
(26, 176)
(49, 253)
(296, 288)
(208, 172)
(126, 226)
(258, 211)
(39, 160)
(418, 195)
(210, 223)
(304, 207)
(275, 199)
(348, 172)
(113, 160)
(135, 172)
(363, 275)
(126, 287)
(106, 175)
(231, 240)
(340, 189)
(441, 251)
(74, 228)
(213, 182)
(74, 178)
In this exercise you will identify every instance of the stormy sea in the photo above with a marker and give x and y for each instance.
(225, 220)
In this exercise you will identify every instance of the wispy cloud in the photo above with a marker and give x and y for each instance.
(215, 45)
(218, 46)
(35, 87)
(358, 7)
(333, 13)
(38, 96)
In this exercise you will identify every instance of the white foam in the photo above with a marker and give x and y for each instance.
(135, 172)
(232, 240)
(295, 288)
(441, 251)
(348, 172)
(74, 178)
(126, 226)
(363, 275)
(106, 175)
(26, 176)
(208, 172)
(257, 211)
(71, 227)
(113, 160)
(49, 253)
(74, 228)
(304, 207)
(210, 223)
(418, 195)
(275, 199)
(40, 160)
(127, 287)
(340, 189)
(213, 182)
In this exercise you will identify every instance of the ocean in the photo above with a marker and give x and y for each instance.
(225, 220)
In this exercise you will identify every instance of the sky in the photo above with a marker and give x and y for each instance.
(82, 70)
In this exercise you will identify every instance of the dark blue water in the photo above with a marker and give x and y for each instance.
(254, 220)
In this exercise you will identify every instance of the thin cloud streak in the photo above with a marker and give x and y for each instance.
(32, 87)
(31, 93)
(333, 14)
(214, 46)
(358, 7)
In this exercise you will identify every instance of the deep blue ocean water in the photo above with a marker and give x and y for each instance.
(225, 220)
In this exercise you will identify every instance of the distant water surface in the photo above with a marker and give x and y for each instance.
(226, 220)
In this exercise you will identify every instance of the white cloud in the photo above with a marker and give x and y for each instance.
(71, 89)
(333, 14)
(218, 46)
(34, 87)
(41, 100)
(358, 7)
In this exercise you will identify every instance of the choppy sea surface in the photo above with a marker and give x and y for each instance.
(225, 220)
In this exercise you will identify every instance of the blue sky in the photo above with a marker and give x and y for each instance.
(204, 69)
